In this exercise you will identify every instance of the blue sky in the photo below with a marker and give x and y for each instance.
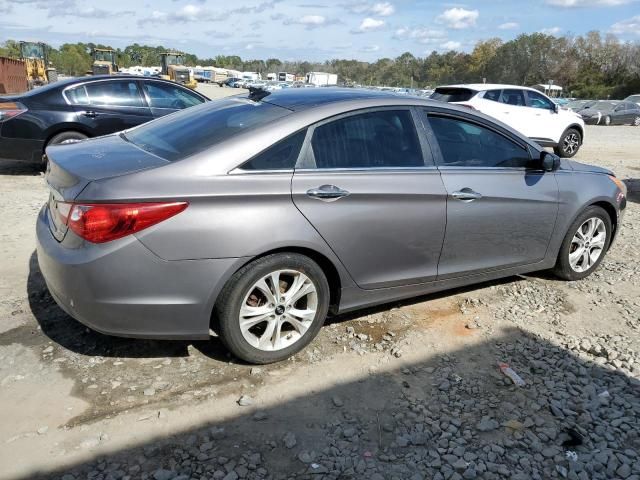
(310, 29)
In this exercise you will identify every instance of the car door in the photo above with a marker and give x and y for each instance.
(543, 120)
(164, 98)
(363, 183)
(514, 111)
(108, 106)
(501, 207)
(619, 114)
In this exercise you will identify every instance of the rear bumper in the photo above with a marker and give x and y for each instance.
(26, 150)
(121, 288)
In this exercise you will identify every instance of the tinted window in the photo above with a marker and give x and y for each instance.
(164, 95)
(77, 96)
(281, 156)
(537, 100)
(493, 95)
(120, 94)
(448, 94)
(369, 140)
(513, 97)
(193, 130)
(633, 98)
(620, 108)
(466, 144)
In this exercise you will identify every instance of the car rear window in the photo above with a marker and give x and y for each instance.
(187, 132)
(450, 94)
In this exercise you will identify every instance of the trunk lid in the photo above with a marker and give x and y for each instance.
(71, 167)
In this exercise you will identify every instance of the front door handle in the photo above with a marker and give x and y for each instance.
(327, 193)
(90, 114)
(466, 195)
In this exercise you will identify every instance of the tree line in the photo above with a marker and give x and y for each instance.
(588, 66)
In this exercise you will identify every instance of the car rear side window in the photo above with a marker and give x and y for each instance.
(465, 144)
(449, 94)
(77, 95)
(164, 95)
(187, 132)
(381, 139)
(493, 95)
(281, 156)
(117, 94)
(513, 97)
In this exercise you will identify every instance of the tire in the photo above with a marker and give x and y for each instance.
(584, 266)
(67, 137)
(607, 120)
(254, 344)
(636, 122)
(569, 144)
(52, 76)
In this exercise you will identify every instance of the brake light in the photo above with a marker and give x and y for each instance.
(10, 110)
(104, 222)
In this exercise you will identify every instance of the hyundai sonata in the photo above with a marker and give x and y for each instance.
(255, 216)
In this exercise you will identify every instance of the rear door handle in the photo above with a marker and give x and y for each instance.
(90, 114)
(327, 193)
(466, 195)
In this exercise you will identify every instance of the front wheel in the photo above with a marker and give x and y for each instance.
(272, 308)
(584, 245)
(569, 144)
(607, 120)
(636, 122)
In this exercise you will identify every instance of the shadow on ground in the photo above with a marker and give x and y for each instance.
(449, 416)
(15, 167)
(633, 189)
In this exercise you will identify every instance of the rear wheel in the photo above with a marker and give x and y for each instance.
(636, 121)
(272, 308)
(569, 143)
(67, 137)
(584, 245)
(607, 120)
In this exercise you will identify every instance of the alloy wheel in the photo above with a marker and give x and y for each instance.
(278, 310)
(587, 244)
(571, 143)
(636, 121)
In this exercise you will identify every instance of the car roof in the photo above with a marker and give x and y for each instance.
(486, 86)
(297, 99)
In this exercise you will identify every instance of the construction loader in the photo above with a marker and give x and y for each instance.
(173, 68)
(38, 68)
(104, 62)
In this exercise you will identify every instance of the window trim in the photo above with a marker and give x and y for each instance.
(306, 162)
(440, 164)
(88, 82)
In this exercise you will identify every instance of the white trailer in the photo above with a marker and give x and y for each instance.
(286, 77)
(321, 79)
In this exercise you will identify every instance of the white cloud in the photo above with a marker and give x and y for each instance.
(421, 34)
(551, 30)
(382, 9)
(459, 18)
(369, 24)
(312, 20)
(370, 48)
(450, 45)
(509, 26)
(587, 3)
(630, 25)
(196, 13)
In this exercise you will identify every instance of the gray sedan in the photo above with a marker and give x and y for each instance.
(256, 216)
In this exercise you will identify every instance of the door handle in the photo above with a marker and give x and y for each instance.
(327, 193)
(466, 195)
(90, 114)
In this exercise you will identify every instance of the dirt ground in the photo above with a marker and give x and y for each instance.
(408, 390)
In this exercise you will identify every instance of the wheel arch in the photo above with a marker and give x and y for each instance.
(613, 215)
(577, 127)
(62, 129)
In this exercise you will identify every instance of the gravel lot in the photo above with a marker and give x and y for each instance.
(406, 391)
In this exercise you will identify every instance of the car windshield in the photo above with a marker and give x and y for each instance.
(633, 98)
(603, 106)
(195, 129)
(448, 94)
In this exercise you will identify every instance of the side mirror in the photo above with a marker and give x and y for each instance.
(556, 107)
(550, 162)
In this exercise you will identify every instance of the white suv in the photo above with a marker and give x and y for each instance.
(523, 109)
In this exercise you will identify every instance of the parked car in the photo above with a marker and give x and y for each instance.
(612, 112)
(79, 108)
(633, 98)
(577, 105)
(257, 215)
(525, 109)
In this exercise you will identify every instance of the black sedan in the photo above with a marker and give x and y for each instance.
(79, 108)
(612, 112)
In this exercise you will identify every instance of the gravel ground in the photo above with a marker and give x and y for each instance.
(405, 391)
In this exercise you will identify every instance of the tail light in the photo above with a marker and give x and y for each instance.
(10, 110)
(103, 222)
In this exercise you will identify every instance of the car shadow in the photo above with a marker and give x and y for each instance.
(450, 414)
(633, 189)
(16, 167)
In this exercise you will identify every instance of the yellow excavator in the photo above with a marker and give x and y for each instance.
(173, 68)
(104, 62)
(39, 70)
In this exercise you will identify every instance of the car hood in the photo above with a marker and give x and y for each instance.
(585, 167)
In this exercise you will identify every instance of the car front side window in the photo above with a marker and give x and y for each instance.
(466, 144)
(537, 100)
(162, 95)
(379, 139)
